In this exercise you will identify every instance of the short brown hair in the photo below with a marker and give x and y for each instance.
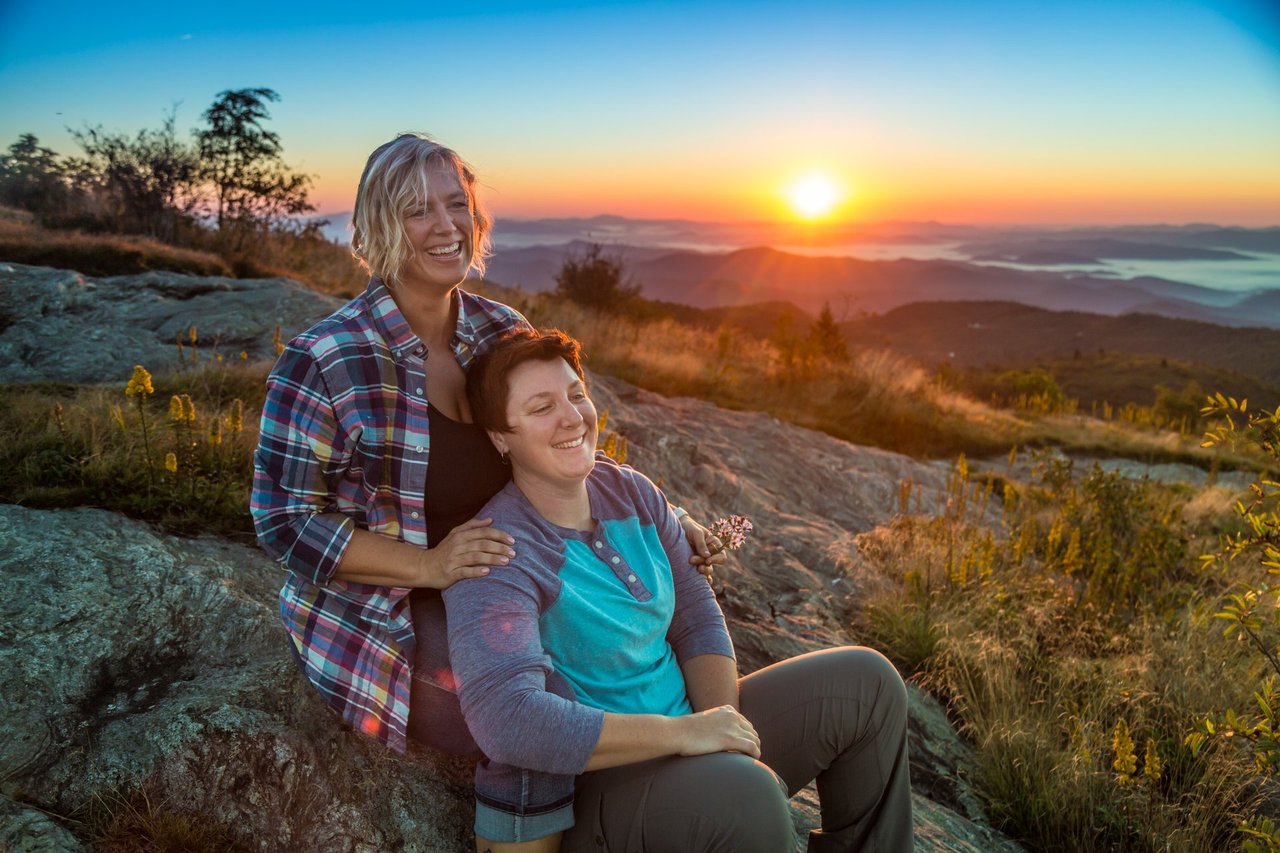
(489, 378)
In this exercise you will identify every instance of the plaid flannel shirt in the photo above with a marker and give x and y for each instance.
(344, 444)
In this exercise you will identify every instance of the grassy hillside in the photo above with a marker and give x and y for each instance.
(1095, 379)
(978, 334)
(22, 242)
(310, 259)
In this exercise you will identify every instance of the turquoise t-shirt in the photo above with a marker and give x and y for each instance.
(613, 613)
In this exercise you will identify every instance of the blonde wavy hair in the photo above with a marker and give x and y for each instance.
(394, 182)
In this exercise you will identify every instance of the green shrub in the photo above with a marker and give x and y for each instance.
(1002, 603)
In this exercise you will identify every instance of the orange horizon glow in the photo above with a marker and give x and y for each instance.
(1066, 199)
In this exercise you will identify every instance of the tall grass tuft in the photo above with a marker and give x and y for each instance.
(1076, 674)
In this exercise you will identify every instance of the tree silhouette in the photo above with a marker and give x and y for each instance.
(148, 183)
(31, 177)
(252, 187)
(596, 281)
(826, 337)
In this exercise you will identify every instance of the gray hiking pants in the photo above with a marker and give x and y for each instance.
(838, 716)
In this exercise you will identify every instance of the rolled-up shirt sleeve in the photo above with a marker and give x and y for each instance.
(496, 652)
(300, 446)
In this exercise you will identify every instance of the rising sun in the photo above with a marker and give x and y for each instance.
(813, 196)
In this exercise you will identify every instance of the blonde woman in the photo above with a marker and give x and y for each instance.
(369, 469)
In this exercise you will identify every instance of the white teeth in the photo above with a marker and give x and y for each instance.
(565, 445)
(445, 250)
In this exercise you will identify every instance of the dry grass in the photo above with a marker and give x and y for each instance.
(875, 399)
(321, 265)
(1038, 664)
(64, 446)
(100, 255)
(142, 822)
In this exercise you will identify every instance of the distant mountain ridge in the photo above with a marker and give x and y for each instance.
(851, 285)
(976, 334)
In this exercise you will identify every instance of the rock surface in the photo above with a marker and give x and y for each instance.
(136, 319)
(146, 665)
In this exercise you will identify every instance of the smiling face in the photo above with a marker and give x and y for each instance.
(553, 424)
(441, 231)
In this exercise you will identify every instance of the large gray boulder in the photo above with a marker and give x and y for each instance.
(142, 662)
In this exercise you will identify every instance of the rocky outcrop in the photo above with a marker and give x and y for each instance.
(149, 668)
(142, 662)
(63, 326)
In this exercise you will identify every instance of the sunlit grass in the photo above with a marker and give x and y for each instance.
(1041, 647)
(67, 446)
(318, 263)
(98, 254)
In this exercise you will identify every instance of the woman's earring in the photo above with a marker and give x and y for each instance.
(505, 457)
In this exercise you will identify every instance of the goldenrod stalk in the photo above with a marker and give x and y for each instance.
(139, 387)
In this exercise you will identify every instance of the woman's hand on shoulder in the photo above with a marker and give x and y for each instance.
(703, 543)
(721, 729)
(467, 552)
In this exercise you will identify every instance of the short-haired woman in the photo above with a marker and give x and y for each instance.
(677, 753)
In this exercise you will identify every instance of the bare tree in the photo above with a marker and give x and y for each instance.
(147, 183)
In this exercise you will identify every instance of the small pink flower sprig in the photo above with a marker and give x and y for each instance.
(732, 532)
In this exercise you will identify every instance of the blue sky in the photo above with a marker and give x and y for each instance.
(1081, 111)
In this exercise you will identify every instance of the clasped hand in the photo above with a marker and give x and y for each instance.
(721, 729)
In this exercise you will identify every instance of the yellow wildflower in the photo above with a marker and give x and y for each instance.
(237, 415)
(191, 335)
(171, 463)
(176, 411)
(277, 342)
(1073, 561)
(189, 408)
(215, 431)
(1151, 764)
(1126, 760)
(244, 356)
(139, 383)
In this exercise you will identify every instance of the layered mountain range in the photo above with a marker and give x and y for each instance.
(1064, 270)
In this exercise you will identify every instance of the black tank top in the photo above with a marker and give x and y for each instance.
(463, 472)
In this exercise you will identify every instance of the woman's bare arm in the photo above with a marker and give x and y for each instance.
(466, 552)
(628, 738)
(711, 681)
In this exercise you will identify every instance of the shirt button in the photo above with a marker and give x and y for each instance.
(419, 391)
(631, 578)
(413, 515)
(420, 449)
(599, 544)
(615, 560)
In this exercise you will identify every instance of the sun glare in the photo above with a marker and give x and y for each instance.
(813, 196)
